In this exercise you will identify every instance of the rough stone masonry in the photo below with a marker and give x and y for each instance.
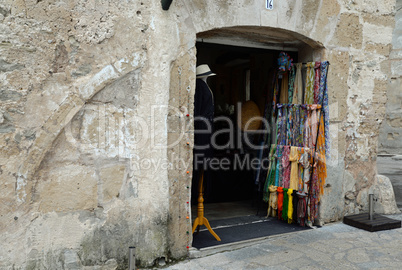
(91, 97)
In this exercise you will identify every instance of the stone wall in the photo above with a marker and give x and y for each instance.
(390, 140)
(84, 118)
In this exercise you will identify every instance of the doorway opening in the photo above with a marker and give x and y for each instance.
(242, 89)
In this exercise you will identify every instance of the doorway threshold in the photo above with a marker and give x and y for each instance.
(217, 247)
(239, 232)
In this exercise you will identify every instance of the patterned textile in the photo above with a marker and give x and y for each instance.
(323, 99)
(286, 166)
(305, 164)
(284, 94)
(282, 124)
(302, 125)
(290, 206)
(301, 208)
(320, 157)
(298, 88)
(314, 195)
(307, 128)
(289, 124)
(273, 202)
(271, 167)
(309, 93)
(314, 125)
(295, 111)
(293, 158)
(292, 76)
(278, 175)
(280, 202)
(285, 204)
(317, 78)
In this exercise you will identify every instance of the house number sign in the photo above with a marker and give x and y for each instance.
(270, 4)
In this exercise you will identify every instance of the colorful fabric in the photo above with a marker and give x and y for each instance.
(314, 195)
(301, 208)
(295, 111)
(320, 157)
(289, 124)
(273, 202)
(284, 94)
(278, 175)
(298, 88)
(323, 99)
(317, 78)
(284, 61)
(286, 166)
(285, 204)
(280, 202)
(290, 206)
(281, 125)
(305, 163)
(268, 180)
(293, 158)
(314, 125)
(307, 128)
(292, 76)
(309, 93)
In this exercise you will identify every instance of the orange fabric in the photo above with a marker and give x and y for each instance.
(320, 156)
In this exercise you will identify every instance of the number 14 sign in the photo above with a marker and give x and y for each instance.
(270, 4)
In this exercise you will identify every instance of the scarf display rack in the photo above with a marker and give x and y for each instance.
(299, 140)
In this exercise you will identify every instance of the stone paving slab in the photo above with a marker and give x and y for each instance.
(334, 246)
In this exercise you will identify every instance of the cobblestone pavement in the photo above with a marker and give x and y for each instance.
(334, 246)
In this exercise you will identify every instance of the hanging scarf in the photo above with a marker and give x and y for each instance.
(317, 78)
(307, 128)
(293, 157)
(280, 202)
(298, 89)
(268, 180)
(285, 204)
(278, 175)
(313, 125)
(305, 163)
(295, 124)
(284, 95)
(289, 124)
(273, 202)
(303, 122)
(295, 203)
(314, 195)
(323, 99)
(292, 76)
(281, 125)
(301, 208)
(290, 206)
(320, 157)
(286, 166)
(309, 93)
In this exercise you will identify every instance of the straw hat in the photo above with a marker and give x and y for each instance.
(203, 71)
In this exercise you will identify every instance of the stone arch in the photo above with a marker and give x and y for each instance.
(58, 121)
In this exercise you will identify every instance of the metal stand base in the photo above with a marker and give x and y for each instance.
(378, 223)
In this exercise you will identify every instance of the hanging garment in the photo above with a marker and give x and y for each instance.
(298, 88)
(286, 166)
(317, 78)
(281, 125)
(292, 76)
(289, 124)
(276, 90)
(278, 175)
(320, 157)
(309, 93)
(280, 202)
(273, 202)
(302, 123)
(290, 206)
(301, 208)
(295, 203)
(307, 128)
(305, 164)
(293, 158)
(314, 108)
(295, 111)
(285, 204)
(271, 173)
(284, 95)
(314, 195)
(323, 99)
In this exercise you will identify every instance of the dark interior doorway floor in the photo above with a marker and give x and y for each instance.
(238, 221)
